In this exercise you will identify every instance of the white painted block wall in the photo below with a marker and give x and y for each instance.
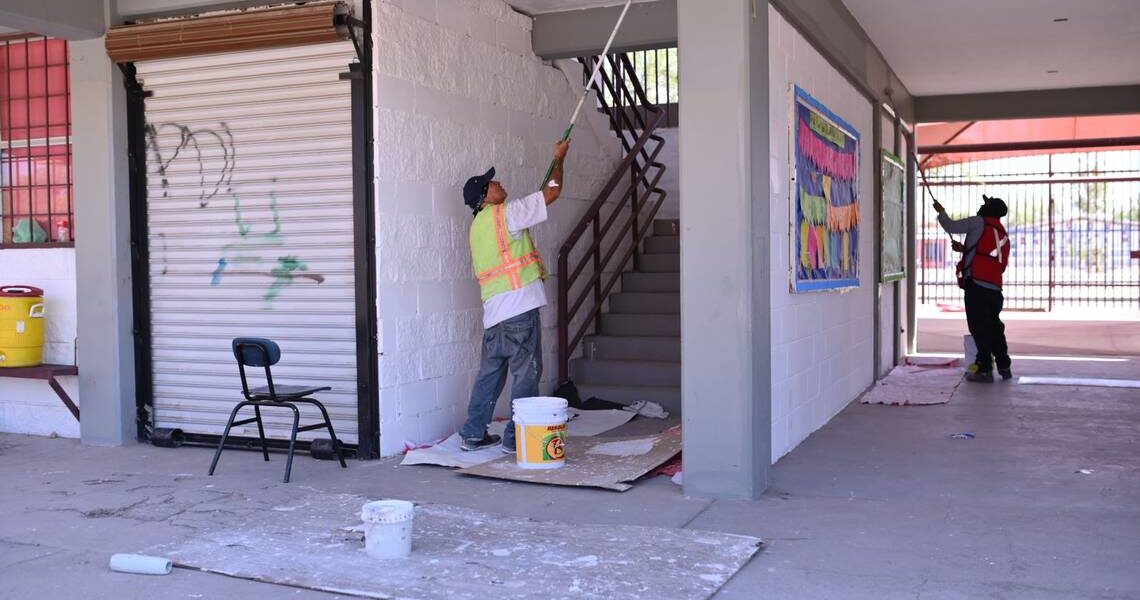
(458, 89)
(30, 406)
(822, 342)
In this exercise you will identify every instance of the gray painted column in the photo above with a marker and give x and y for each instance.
(725, 278)
(102, 248)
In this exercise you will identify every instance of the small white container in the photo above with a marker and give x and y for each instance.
(971, 350)
(388, 528)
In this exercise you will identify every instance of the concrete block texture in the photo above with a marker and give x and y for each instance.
(459, 90)
(825, 337)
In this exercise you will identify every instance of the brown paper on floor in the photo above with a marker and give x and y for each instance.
(607, 463)
(914, 385)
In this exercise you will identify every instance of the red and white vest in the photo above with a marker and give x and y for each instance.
(991, 255)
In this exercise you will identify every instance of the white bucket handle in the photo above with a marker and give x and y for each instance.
(36, 311)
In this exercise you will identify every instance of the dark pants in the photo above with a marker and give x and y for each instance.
(983, 316)
(515, 344)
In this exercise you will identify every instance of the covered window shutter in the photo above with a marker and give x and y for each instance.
(313, 23)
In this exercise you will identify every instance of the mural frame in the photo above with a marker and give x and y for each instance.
(845, 215)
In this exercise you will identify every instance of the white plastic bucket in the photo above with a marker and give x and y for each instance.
(388, 528)
(540, 432)
(971, 350)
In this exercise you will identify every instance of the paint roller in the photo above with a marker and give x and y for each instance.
(586, 91)
(140, 564)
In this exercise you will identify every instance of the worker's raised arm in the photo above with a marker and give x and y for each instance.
(553, 186)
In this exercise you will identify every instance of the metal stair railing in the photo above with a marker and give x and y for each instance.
(634, 120)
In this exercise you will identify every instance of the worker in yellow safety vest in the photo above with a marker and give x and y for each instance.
(510, 274)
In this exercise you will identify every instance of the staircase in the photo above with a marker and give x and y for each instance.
(636, 354)
(632, 351)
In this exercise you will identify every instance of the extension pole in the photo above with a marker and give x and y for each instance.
(926, 186)
(586, 92)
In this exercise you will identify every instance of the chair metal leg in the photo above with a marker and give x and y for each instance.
(328, 423)
(261, 432)
(292, 439)
(225, 434)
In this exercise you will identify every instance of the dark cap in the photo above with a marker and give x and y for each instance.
(994, 207)
(475, 190)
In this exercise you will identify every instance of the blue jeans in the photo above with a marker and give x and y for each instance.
(515, 343)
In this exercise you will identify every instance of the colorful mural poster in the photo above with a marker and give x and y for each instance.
(892, 254)
(825, 198)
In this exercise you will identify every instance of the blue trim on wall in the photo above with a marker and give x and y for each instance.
(826, 284)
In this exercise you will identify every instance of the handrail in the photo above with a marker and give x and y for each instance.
(640, 172)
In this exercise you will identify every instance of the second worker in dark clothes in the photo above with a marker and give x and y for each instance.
(985, 255)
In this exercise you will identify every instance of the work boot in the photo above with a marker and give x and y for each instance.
(486, 441)
(509, 448)
(1005, 373)
(980, 376)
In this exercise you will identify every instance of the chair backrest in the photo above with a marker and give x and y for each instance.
(256, 352)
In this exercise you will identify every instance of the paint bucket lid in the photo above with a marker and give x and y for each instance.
(540, 403)
(387, 511)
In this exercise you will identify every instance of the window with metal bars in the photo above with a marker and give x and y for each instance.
(657, 72)
(36, 208)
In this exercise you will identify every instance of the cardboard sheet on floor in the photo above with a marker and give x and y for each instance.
(448, 453)
(909, 385)
(608, 463)
(1114, 383)
(461, 554)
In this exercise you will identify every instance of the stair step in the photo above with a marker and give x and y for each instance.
(663, 244)
(626, 372)
(641, 325)
(665, 226)
(651, 282)
(660, 263)
(646, 303)
(668, 397)
(666, 349)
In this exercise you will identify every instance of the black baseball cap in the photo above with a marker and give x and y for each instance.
(995, 206)
(475, 190)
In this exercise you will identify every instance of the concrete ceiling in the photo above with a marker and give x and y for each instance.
(972, 46)
(535, 7)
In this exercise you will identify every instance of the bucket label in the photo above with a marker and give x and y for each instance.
(554, 446)
(541, 443)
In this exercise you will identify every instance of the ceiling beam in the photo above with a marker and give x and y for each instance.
(1073, 102)
(67, 19)
(574, 33)
(835, 33)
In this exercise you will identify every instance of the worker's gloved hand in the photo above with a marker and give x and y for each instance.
(938, 207)
(957, 246)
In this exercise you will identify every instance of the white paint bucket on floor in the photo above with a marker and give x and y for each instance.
(388, 528)
(971, 350)
(540, 432)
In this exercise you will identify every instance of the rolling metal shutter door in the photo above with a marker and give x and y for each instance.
(249, 211)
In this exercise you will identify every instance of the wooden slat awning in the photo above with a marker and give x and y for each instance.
(313, 23)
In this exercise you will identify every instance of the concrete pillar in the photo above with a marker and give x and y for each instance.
(102, 247)
(725, 241)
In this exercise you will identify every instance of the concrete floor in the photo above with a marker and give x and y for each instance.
(880, 503)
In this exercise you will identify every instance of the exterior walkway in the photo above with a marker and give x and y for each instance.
(879, 504)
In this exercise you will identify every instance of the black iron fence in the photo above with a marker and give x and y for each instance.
(1074, 224)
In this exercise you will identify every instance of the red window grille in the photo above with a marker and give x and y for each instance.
(35, 142)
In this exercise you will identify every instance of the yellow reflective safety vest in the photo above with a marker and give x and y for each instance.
(502, 263)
